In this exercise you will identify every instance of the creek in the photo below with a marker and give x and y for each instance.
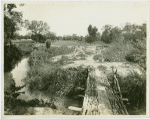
(20, 72)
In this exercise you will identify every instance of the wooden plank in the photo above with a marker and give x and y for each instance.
(100, 99)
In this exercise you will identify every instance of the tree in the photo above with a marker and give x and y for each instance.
(60, 38)
(29, 35)
(38, 38)
(98, 36)
(50, 35)
(74, 37)
(134, 32)
(12, 22)
(110, 33)
(37, 27)
(115, 33)
(92, 34)
(92, 31)
(106, 38)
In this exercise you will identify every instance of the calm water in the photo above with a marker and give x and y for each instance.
(20, 72)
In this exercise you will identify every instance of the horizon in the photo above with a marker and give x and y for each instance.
(67, 18)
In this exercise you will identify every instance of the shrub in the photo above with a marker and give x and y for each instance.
(40, 56)
(106, 38)
(15, 106)
(132, 87)
(26, 48)
(90, 39)
(64, 82)
(38, 38)
(12, 55)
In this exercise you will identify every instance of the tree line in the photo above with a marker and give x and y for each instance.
(39, 31)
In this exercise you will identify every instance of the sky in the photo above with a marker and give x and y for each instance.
(67, 18)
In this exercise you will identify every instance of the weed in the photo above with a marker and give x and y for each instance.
(132, 87)
(64, 82)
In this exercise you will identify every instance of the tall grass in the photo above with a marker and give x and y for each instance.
(138, 54)
(133, 87)
(116, 52)
(62, 82)
(46, 75)
(26, 48)
(42, 56)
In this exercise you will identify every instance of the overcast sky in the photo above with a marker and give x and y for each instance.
(66, 18)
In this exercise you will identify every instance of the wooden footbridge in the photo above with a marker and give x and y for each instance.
(100, 98)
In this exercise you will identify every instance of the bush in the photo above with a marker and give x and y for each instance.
(15, 106)
(106, 38)
(38, 38)
(40, 56)
(26, 48)
(12, 55)
(90, 39)
(132, 87)
(138, 54)
(61, 82)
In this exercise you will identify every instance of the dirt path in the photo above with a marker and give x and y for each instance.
(88, 54)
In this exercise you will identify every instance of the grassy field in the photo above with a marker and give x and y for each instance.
(22, 41)
(82, 43)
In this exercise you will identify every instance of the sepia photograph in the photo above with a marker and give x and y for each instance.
(74, 59)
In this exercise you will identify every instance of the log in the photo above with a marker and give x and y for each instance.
(125, 99)
(75, 108)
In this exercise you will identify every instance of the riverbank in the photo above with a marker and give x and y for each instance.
(45, 98)
(61, 72)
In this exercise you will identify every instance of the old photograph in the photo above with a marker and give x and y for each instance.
(74, 58)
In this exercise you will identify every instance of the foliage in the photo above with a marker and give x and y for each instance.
(12, 19)
(9, 29)
(50, 35)
(48, 44)
(98, 36)
(12, 22)
(132, 32)
(90, 39)
(92, 34)
(133, 87)
(15, 106)
(138, 54)
(49, 76)
(10, 95)
(40, 56)
(55, 80)
(11, 56)
(38, 38)
(37, 27)
(26, 48)
(110, 34)
(19, 37)
(92, 31)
